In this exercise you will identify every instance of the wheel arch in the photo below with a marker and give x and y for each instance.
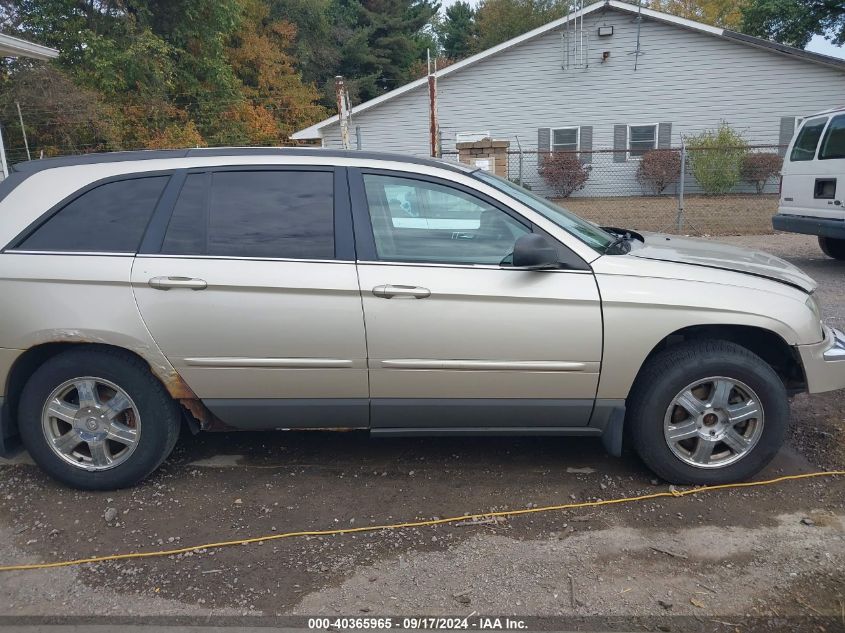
(766, 344)
(27, 363)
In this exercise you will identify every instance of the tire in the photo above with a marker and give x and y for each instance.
(832, 247)
(709, 364)
(147, 426)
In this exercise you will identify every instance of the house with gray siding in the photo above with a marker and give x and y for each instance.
(612, 76)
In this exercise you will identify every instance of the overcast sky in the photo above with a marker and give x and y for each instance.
(817, 45)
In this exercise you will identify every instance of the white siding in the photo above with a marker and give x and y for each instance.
(691, 79)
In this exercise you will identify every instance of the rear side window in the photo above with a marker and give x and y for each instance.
(833, 145)
(273, 213)
(110, 218)
(808, 138)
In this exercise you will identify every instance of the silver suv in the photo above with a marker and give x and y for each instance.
(301, 289)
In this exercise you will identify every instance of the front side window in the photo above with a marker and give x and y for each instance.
(808, 138)
(110, 218)
(274, 214)
(833, 145)
(641, 139)
(565, 139)
(421, 221)
(595, 237)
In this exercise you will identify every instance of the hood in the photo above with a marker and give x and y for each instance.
(685, 250)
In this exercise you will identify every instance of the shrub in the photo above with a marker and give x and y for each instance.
(658, 169)
(563, 172)
(759, 168)
(715, 158)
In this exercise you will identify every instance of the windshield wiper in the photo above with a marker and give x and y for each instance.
(623, 238)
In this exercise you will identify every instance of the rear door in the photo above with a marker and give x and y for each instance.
(456, 337)
(250, 290)
(810, 183)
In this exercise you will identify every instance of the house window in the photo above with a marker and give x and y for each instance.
(641, 139)
(566, 139)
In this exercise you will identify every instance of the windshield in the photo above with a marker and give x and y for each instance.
(587, 232)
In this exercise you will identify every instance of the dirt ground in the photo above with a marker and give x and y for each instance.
(735, 214)
(734, 560)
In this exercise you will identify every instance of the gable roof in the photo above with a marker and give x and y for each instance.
(314, 131)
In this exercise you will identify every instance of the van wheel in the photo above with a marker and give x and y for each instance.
(707, 412)
(97, 419)
(832, 247)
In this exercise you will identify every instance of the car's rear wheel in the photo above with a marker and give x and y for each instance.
(97, 419)
(707, 412)
(832, 247)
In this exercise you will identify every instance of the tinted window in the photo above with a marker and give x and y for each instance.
(278, 214)
(808, 138)
(414, 220)
(110, 218)
(187, 231)
(833, 145)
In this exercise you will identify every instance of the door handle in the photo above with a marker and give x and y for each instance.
(409, 292)
(166, 283)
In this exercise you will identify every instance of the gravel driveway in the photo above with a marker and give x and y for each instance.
(717, 557)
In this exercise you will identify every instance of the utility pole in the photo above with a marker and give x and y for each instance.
(342, 110)
(4, 166)
(23, 131)
(433, 127)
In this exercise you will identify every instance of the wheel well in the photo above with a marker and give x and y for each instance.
(766, 344)
(28, 362)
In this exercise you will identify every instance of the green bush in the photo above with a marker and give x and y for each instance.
(715, 158)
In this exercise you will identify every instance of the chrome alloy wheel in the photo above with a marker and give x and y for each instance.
(91, 423)
(713, 422)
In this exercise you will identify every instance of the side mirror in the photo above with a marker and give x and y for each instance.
(535, 252)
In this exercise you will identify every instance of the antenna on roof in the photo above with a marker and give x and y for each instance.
(575, 45)
(639, 19)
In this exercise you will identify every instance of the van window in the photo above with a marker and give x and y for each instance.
(833, 145)
(285, 214)
(110, 218)
(808, 139)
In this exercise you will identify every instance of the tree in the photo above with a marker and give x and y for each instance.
(59, 116)
(794, 22)
(500, 20)
(724, 13)
(276, 102)
(457, 31)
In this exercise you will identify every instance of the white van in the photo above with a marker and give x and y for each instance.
(812, 198)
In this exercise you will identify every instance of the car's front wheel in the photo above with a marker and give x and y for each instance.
(832, 247)
(97, 419)
(707, 412)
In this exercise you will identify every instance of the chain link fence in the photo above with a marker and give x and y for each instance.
(696, 191)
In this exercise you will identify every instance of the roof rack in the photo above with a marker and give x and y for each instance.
(33, 166)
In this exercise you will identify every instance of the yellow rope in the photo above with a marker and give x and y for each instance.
(417, 524)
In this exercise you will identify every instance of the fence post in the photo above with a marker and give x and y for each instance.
(680, 218)
(358, 137)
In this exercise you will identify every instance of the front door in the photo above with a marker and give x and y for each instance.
(254, 298)
(456, 338)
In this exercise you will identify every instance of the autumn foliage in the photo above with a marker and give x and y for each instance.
(563, 172)
(658, 169)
